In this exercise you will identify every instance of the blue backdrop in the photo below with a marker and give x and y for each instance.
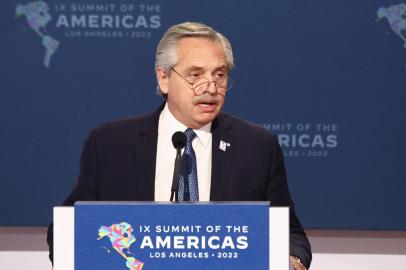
(329, 77)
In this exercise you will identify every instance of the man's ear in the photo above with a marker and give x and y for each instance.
(162, 79)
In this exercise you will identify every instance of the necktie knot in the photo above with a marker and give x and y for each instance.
(190, 135)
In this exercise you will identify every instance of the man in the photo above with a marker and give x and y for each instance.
(237, 161)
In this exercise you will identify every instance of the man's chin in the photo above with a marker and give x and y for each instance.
(205, 118)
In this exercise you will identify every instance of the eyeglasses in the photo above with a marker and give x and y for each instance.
(201, 84)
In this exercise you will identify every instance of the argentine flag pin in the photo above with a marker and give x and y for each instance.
(223, 145)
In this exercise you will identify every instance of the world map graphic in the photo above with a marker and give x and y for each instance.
(121, 239)
(37, 16)
(396, 17)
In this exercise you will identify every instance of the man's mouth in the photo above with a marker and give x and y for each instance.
(206, 103)
(207, 107)
(206, 100)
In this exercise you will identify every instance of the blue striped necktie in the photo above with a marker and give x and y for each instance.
(188, 186)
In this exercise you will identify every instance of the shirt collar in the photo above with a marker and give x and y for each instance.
(168, 125)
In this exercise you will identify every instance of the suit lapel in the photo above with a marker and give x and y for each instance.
(145, 147)
(222, 156)
(145, 156)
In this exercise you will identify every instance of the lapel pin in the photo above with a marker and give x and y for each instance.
(223, 145)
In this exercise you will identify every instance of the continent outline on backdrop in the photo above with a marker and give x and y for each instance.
(37, 16)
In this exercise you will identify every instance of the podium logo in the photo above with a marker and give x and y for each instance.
(37, 16)
(396, 17)
(121, 239)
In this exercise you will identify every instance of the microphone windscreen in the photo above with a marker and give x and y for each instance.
(179, 139)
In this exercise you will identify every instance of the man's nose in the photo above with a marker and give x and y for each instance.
(212, 87)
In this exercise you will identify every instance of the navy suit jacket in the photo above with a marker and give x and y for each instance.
(118, 164)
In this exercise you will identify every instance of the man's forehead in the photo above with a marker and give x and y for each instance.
(201, 52)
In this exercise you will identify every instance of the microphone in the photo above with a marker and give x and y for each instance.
(178, 141)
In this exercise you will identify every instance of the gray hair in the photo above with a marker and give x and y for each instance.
(166, 56)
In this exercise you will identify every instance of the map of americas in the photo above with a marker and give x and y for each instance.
(37, 16)
(121, 239)
(396, 16)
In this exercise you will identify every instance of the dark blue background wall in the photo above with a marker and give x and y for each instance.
(327, 76)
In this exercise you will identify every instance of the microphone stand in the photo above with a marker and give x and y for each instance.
(176, 172)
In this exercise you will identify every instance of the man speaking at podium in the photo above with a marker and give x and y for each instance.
(224, 158)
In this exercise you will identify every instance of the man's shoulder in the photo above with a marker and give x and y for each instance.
(130, 122)
(243, 127)
(128, 127)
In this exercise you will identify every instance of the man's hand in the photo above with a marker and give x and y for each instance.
(296, 264)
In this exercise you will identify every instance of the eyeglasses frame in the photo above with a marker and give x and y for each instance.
(229, 81)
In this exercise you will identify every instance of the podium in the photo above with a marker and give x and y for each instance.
(142, 236)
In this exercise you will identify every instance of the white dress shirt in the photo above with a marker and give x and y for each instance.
(166, 153)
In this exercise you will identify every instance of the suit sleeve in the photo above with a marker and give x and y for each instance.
(279, 195)
(85, 188)
(86, 185)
